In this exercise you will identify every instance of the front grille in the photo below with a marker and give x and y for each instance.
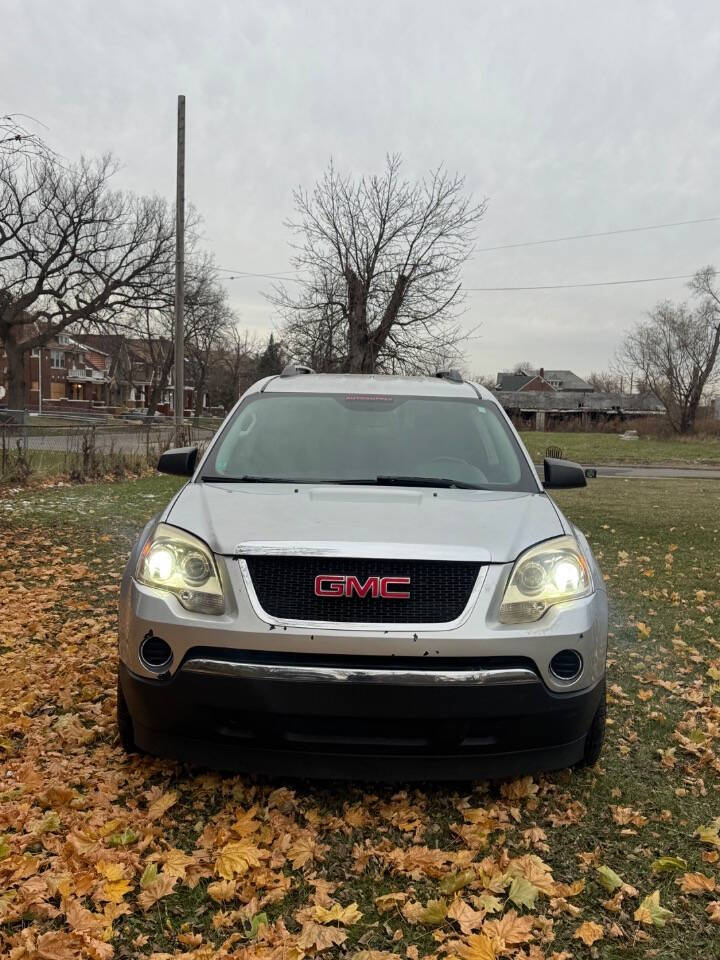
(285, 586)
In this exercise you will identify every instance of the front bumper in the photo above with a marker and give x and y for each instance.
(359, 726)
(316, 716)
(580, 626)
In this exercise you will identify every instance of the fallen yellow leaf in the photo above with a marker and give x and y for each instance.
(589, 932)
(478, 947)
(236, 859)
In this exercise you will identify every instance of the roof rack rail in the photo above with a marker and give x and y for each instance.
(453, 375)
(296, 370)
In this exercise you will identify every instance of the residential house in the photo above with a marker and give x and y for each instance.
(543, 410)
(135, 366)
(94, 370)
(542, 380)
(69, 374)
(132, 370)
(522, 381)
(565, 381)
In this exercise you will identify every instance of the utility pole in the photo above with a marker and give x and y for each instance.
(180, 270)
(39, 380)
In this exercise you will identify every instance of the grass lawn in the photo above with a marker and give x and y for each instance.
(46, 465)
(608, 448)
(42, 463)
(103, 855)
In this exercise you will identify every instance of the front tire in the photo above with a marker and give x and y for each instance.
(596, 734)
(124, 722)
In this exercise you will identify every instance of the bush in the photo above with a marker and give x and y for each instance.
(91, 463)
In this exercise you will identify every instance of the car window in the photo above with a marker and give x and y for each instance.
(338, 438)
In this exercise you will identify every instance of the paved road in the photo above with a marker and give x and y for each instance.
(661, 473)
(654, 473)
(133, 440)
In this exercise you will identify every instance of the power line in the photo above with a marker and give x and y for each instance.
(604, 233)
(242, 274)
(287, 274)
(569, 286)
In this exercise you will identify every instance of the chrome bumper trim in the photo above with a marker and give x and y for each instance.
(402, 677)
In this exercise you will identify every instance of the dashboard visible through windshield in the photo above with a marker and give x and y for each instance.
(353, 438)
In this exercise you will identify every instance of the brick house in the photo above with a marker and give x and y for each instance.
(131, 369)
(543, 381)
(134, 366)
(70, 374)
(93, 370)
(521, 381)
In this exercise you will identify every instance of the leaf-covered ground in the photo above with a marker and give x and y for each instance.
(103, 856)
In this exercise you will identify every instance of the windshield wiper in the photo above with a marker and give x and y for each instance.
(248, 479)
(426, 482)
(381, 481)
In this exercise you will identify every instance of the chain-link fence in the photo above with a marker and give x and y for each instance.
(85, 451)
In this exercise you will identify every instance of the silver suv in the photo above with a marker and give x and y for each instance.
(364, 576)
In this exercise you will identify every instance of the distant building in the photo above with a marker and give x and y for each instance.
(561, 381)
(543, 410)
(95, 371)
(67, 371)
(517, 382)
(565, 381)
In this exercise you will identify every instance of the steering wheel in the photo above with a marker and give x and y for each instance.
(463, 463)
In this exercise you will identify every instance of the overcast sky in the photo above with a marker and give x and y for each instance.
(570, 117)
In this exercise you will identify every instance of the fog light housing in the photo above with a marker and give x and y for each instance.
(566, 665)
(155, 653)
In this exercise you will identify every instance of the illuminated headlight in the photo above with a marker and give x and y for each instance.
(547, 574)
(178, 562)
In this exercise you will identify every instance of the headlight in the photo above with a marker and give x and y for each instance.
(178, 562)
(547, 574)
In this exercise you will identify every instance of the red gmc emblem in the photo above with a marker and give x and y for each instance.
(338, 585)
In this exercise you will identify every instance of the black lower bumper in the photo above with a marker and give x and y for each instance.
(359, 731)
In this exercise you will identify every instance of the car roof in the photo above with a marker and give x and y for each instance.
(374, 384)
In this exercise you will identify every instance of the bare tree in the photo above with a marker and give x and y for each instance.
(150, 333)
(315, 324)
(607, 381)
(486, 380)
(234, 367)
(210, 319)
(17, 140)
(151, 323)
(379, 259)
(675, 350)
(522, 366)
(73, 252)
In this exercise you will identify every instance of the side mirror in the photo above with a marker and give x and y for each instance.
(180, 462)
(563, 474)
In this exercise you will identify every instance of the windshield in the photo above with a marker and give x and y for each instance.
(369, 439)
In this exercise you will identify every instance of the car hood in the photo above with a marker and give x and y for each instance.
(486, 526)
